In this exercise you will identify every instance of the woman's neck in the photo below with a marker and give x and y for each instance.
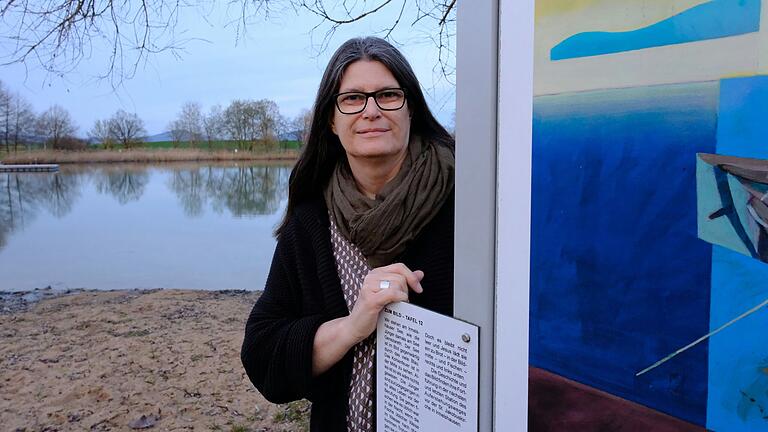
(371, 175)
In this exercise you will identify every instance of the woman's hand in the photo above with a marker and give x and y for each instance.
(334, 338)
(373, 297)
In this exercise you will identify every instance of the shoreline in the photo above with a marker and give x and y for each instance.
(142, 156)
(100, 360)
(20, 301)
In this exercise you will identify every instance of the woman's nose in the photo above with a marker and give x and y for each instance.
(371, 109)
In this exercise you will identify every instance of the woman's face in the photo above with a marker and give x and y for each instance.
(373, 133)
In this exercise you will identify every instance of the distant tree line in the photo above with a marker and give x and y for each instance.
(250, 124)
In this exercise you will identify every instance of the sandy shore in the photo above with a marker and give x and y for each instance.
(102, 360)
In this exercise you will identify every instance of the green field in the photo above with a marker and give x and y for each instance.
(216, 145)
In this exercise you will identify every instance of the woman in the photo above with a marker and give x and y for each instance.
(369, 222)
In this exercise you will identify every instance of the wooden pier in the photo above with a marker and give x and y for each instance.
(29, 168)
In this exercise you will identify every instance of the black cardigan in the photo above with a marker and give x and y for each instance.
(303, 291)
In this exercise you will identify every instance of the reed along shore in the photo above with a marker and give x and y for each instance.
(143, 156)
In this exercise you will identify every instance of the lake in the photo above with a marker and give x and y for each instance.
(125, 226)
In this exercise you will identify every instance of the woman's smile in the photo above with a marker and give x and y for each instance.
(372, 132)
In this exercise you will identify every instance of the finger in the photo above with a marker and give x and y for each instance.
(413, 278)
(394, 281)
(385, 297)
(395, 268)
(414, 281)
(397, 291)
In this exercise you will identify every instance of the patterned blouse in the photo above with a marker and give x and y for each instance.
(352, 268)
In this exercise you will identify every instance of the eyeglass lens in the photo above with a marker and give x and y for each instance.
(354, 102)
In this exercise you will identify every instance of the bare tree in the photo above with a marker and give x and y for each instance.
(23, 126)
(213, 124)
(58, 34)
(101, 134)
(301, 124)
(176, 129)
(6, 114)
(240, 122)
(190, 123)
(437, 16)
(127, 129)
(17, 121)
(55, 124)
(269, 122)
(253, 122)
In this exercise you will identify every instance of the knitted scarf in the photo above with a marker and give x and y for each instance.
(383, 226)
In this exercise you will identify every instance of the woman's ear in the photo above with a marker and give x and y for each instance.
(333, 127)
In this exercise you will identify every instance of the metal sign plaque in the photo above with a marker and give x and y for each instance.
(426, 371)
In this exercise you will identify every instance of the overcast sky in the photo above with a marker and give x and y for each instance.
(275, 59)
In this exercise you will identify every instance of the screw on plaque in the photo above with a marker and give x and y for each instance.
(465, 337)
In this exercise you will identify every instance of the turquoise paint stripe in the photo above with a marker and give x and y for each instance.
(711, 20)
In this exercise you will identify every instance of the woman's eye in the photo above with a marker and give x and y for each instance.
(352, 98)
(386, 95)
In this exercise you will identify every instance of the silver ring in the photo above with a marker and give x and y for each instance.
(384, 284)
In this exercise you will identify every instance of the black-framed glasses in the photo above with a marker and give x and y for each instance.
(390, 99)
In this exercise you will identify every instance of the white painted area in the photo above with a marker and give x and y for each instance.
(690, 62)
(513, 217)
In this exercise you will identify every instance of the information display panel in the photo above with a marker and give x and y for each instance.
(426, 371)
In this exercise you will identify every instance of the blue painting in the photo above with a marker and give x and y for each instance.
(738, 360)
(614, 210)
(641, 287)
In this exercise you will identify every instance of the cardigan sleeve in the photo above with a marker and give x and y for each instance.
(280, 332)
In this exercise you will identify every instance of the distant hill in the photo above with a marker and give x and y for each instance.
(163, 136)
(294, 135)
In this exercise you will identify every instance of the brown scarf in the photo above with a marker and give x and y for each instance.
(382, 227)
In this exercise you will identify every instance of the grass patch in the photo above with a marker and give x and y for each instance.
(296, 412)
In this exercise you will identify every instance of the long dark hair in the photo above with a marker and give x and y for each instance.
(323, 149)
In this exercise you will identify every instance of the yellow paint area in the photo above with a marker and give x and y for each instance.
(555, 7)
(739, 75)
(615, 9)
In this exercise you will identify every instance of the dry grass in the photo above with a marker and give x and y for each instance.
(142, 155)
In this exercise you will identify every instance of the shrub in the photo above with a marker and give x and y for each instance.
(70, 143)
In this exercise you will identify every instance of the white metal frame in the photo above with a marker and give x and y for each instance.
(494, 99)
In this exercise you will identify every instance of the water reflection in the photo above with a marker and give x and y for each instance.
(189, 186)
(23, 195)
(241, 190)
(126, 184)
(59, 193)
